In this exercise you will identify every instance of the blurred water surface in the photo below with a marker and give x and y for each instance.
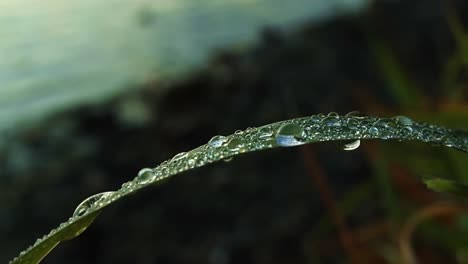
(55, 54)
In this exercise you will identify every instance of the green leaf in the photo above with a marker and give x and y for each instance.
(66, 231)
(294, 132)
(400, 86)
(447, 186)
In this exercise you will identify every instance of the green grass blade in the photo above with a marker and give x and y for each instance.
(401, 87)
(294, 132)
(66, 231)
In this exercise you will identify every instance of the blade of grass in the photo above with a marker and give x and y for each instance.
(400, 86)
(294, 132)
(318, 175)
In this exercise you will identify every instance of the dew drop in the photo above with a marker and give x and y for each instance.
(80, 210)
(179, 156)
(217, 141)
(383, 123)
(127, 185)
(352, 145)
(354, 114)
(317, 118)
(239, 132)
(405, 131)
(448, 141)
(352, 123)
(289, 135)
(265, 133)
(234, 144)
(403, 120)
(191, 162)
(145, 175)
(385, 135)
(461, 138)
(84, 206)
(331, 121)
(373, 131)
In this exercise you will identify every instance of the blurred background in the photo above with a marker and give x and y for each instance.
(93, 91)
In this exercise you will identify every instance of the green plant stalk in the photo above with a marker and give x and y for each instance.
(400, 86)
(385, 185)
(294, 132)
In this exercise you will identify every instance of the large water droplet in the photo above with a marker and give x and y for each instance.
(84, 206)
(352, 123)
(352, 145)
(403, 120)
(145, 175)
(217, 141)
(234, 144)
(289, 135)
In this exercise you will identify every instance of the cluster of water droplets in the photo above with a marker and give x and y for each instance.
(351, 127)
(92, 201)
(317, 128)
(284, 134)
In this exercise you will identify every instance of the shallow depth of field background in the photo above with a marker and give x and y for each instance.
(103, 90)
